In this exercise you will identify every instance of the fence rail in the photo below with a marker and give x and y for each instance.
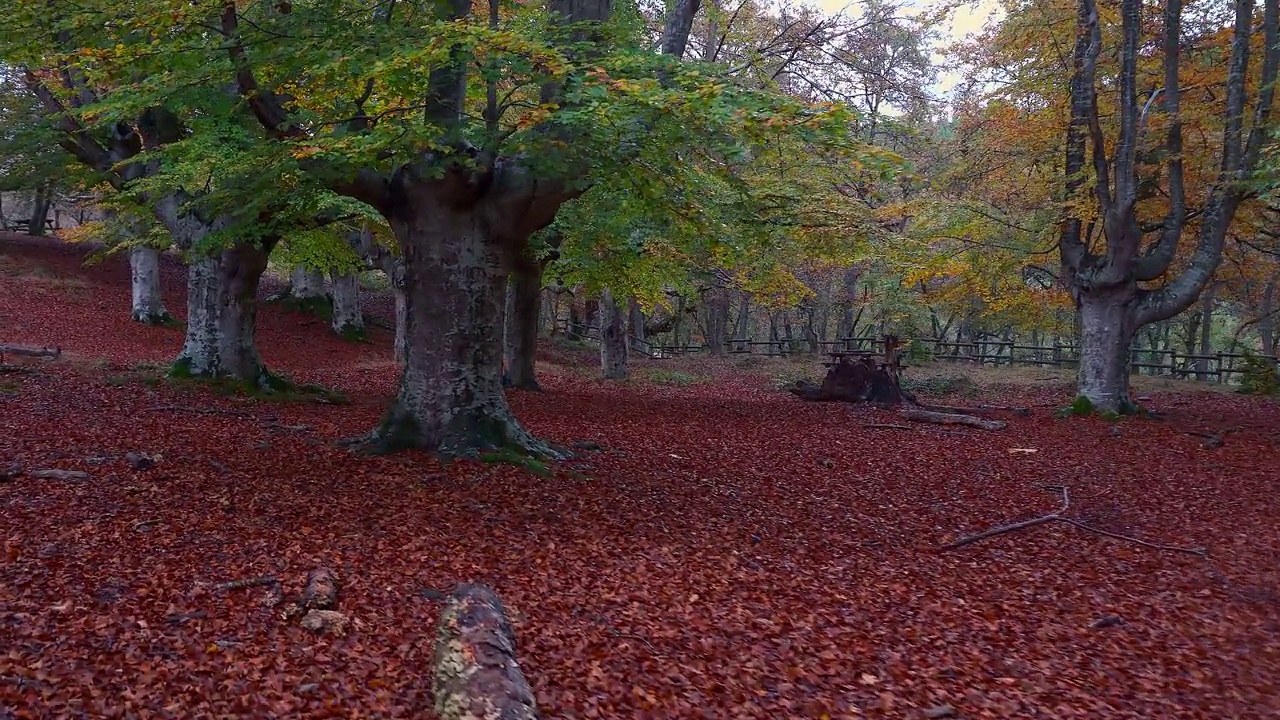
(1218, 367)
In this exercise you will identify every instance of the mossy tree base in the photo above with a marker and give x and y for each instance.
(495, 437)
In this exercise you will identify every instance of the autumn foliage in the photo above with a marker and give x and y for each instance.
(717, 550)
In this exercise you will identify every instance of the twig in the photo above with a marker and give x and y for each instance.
(143, 523)
(203, 411)
(1202, 553)
(1066, 503)
(889, 426)
(1198, 552)
(246, 583)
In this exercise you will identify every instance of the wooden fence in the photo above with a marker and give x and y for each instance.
(1218, 367)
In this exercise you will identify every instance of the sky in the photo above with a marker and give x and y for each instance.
(967, 19)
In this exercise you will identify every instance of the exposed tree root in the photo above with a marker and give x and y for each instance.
(1058, 516)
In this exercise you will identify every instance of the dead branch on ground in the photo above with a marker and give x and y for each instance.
(942, 418)
(53, 353)
(1059, 516)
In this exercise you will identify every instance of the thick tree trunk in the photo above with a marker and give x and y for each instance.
(221, 316)
(613, 339)
(450, 399)
(1106, 330)
(306, 284)
(348, 319)
(144, 274)
(717, 300)
(524, 295)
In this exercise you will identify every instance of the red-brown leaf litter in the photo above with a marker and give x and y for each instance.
(728, 551)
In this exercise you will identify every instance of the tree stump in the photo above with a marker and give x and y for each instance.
(854, 380)
(476, 673)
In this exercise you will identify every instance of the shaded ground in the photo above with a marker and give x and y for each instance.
(730, 552)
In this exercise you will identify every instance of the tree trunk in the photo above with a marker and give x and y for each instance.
(613, 339)
(221, 316)
(1105, 333)
(1266, 326)
(40, 205)
(401, 346)
(144, 274)
(1206, 333)
(307, 286)
(744, 320)
(450, 398)
(717, 300)
(524, 295)
(636, 335)
(348, 320)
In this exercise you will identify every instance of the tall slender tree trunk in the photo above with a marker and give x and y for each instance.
(744, 321)
(1206, 332)
(524, 294)
(1266, 326)
(1105, 333)
(613, 338)
(348, 319)
(40, 205)
(144, 280)
(222, 314)
(636, 334)
(717, 300)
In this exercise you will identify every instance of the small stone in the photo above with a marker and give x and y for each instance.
(587, 445)
(940, 711)
(1107, 621)
(1115, 432)
(140, 461)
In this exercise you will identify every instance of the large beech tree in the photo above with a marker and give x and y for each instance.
(1118, 278)
(466, 134)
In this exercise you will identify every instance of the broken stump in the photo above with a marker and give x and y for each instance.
(854, 380)
(476, 673)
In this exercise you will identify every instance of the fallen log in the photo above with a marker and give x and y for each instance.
(951, 419)
(476, 673)
(30, 351)
(59, 474)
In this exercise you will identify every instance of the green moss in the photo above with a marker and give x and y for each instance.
(181, 370)
(515, 456)
(353, 333)
(115, 381)
(319, 306)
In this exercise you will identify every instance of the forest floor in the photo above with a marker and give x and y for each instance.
(728, 551)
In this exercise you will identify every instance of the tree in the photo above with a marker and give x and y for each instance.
(1105, 258)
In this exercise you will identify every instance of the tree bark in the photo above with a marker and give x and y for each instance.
(221, 316)
(1266, 326)
(1106, 329)
(717, 300)
(613, 339)
(524, 296)
(1206, 333)
(450, 399)
(636, 336)
(744, 319)
(307, 285)
(401, 347)
(40, 205)
(348, 319)
(144, 276)
(476, 674)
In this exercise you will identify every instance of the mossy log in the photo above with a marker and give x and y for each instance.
(476, 673)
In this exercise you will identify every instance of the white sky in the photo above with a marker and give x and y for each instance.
(967, 19)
